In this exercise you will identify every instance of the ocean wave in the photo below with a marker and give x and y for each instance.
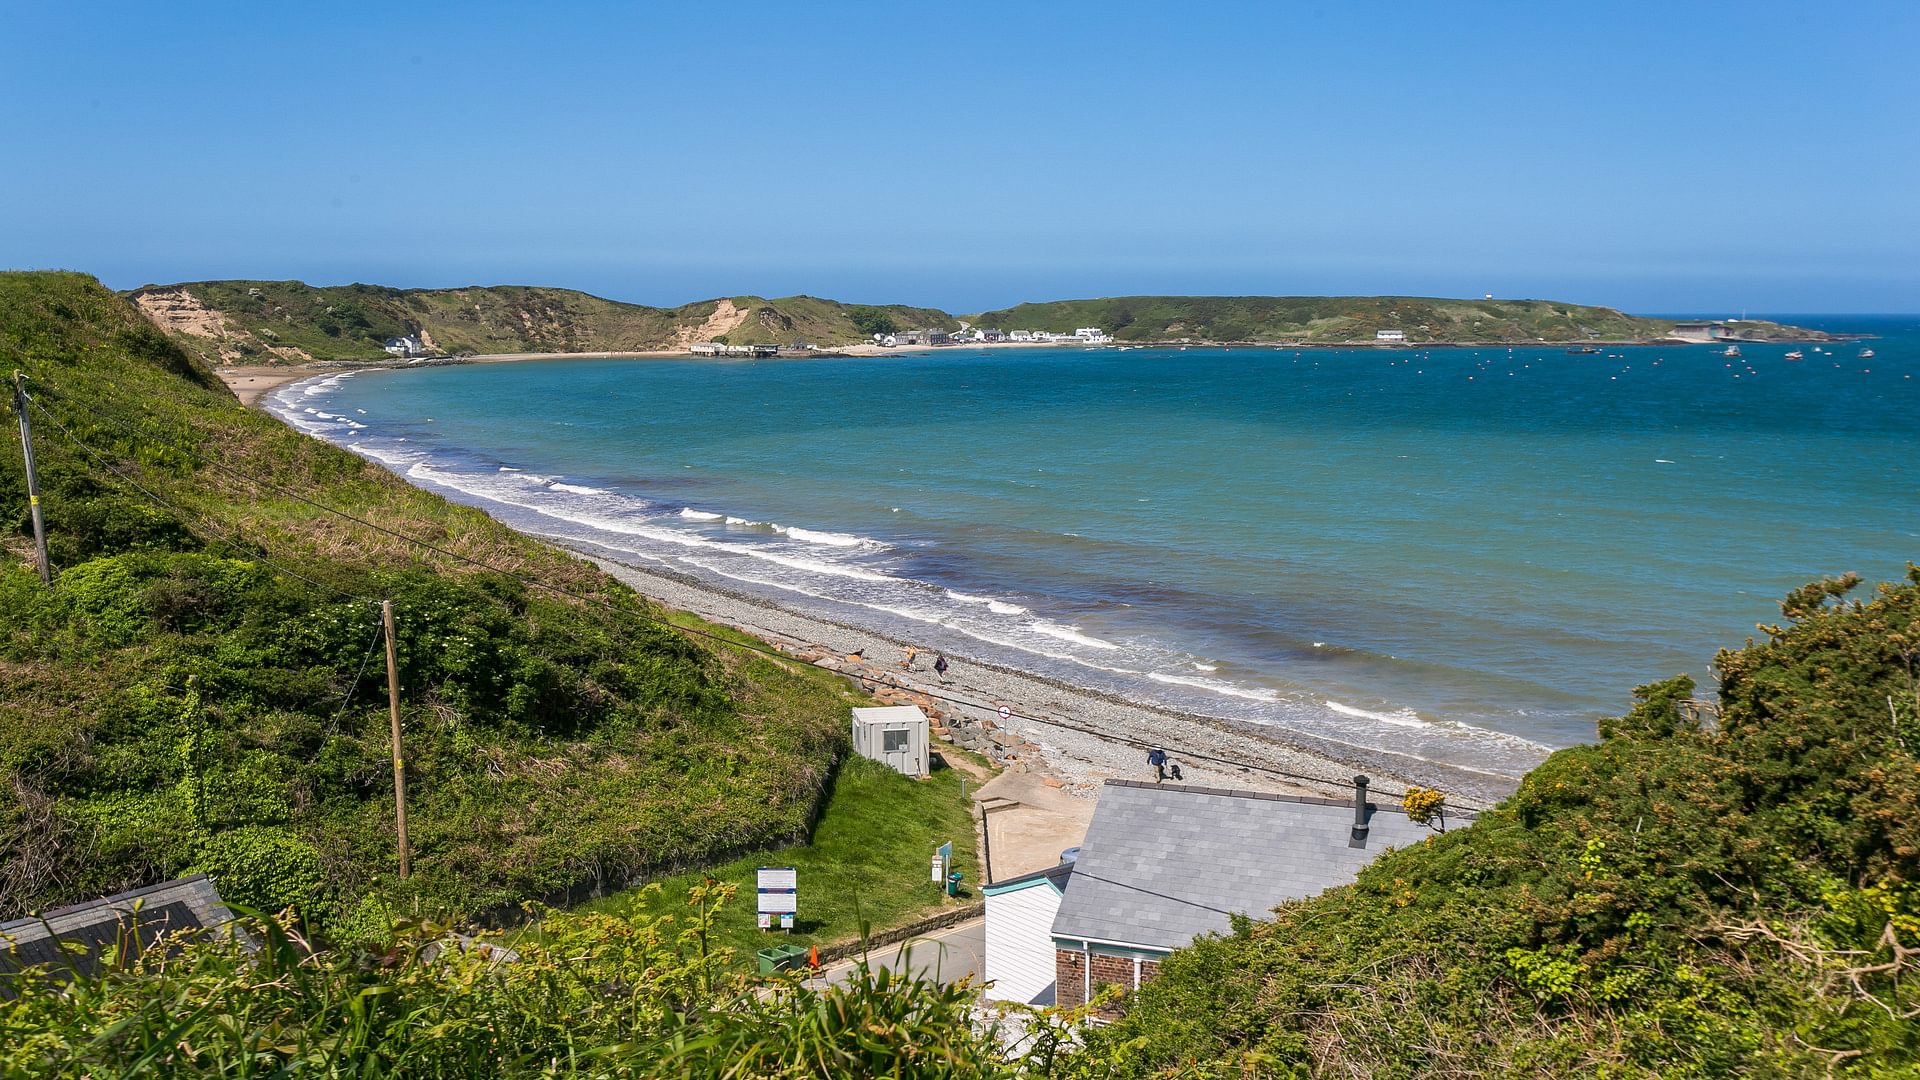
(1068, 633)
(701, 515)
(578, 489)
(821, 536)
(998, 607)
(508, 468)
(1401, 717)
(389, 457)
(1216, 686)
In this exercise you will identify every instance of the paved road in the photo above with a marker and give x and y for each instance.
(944, 956)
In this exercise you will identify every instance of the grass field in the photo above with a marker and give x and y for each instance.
(865, 867)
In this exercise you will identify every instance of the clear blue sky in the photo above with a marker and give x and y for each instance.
(1671, 156)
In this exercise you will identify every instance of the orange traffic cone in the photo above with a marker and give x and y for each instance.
(813, 958)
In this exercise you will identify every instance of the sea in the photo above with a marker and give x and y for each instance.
(1468, 555)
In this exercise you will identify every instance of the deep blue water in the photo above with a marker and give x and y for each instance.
(1468, 555)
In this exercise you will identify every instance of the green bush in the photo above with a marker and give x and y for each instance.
(265, 869)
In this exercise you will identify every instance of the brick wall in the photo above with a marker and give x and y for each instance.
(1070, 971)
(1112, 971)
(1069, 975)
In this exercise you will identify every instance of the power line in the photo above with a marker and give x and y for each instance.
(163, 503)
(695, 632)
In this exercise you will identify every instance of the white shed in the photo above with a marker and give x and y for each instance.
(1020, 950)
(895, 736)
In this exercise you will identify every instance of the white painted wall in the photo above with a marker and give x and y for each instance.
(1020, 943)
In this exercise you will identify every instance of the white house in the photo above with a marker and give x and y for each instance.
(1390, 335)
(1020, 955)
(1092, 335)
(1020, 335)
(895, 736)
(405, 345)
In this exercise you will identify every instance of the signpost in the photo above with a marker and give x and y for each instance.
(1006, 713)
(777, 889)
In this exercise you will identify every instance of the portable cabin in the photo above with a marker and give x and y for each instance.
(895, 736)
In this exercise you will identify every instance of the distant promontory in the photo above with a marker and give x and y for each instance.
(256, 322)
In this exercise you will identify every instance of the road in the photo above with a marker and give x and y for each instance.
(944, 956)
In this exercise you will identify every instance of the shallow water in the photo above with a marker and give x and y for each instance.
(1466, 555)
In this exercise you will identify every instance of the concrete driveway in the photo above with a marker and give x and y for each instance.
(944, 956)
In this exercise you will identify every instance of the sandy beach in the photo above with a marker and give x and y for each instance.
(1044, 733)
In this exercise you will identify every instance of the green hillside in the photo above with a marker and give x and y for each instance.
(228, 322)
(1696, 896)
(200, 688)
(1331, 319)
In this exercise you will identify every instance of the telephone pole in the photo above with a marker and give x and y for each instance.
(393, 712)
(33, 479)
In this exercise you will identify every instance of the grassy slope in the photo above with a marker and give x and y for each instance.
(548, 741)
(349, 322)
(1327, 318)
(1674, 901)
(865, 865)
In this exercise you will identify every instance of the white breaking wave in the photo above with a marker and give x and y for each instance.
(1216, 686)
(1205, 667)
(831, 539)
(1068, 633)
(1402, 717)
(701, 515)
(578, 489)
(998, 607)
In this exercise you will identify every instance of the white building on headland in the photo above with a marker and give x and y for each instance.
(405, 345)
(1395, 336)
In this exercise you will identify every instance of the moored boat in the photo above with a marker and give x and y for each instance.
(1866, 354)
(1796, 355)
(1731, 350)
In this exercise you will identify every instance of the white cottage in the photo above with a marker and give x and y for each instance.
(1020, 953)
(895, 736)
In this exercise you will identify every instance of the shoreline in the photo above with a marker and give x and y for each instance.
(1077, 760)
(251, 382)
(1117, 729)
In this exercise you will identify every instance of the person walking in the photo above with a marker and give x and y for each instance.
(907, 664)
(1157, 758)
(940, 667)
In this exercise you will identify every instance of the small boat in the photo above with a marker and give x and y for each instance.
(1731, 350)
(1796, 355)
(1866, 354)
(1583, 350)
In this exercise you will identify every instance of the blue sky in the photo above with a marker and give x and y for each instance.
(1653, 156)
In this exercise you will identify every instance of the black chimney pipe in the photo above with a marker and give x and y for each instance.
(1359, 837)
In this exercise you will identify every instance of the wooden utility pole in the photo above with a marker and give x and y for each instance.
(33, 480)
(393, 712)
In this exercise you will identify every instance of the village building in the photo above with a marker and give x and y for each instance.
(1390, 336)
(74, 937)
(1162, 864)
(1698, 331)
(405, 345)
(1019, 935)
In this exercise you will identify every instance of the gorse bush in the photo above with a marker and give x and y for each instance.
(1688, 898)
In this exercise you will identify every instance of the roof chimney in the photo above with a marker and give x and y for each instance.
(1359, 837)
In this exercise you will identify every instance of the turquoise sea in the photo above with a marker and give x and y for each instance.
(1464, 554)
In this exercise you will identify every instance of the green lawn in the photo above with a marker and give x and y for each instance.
(867, 863)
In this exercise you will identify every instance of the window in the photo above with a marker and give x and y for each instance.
(894, 742)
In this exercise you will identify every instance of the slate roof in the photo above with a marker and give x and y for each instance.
(1164, 863)
(185, 904)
